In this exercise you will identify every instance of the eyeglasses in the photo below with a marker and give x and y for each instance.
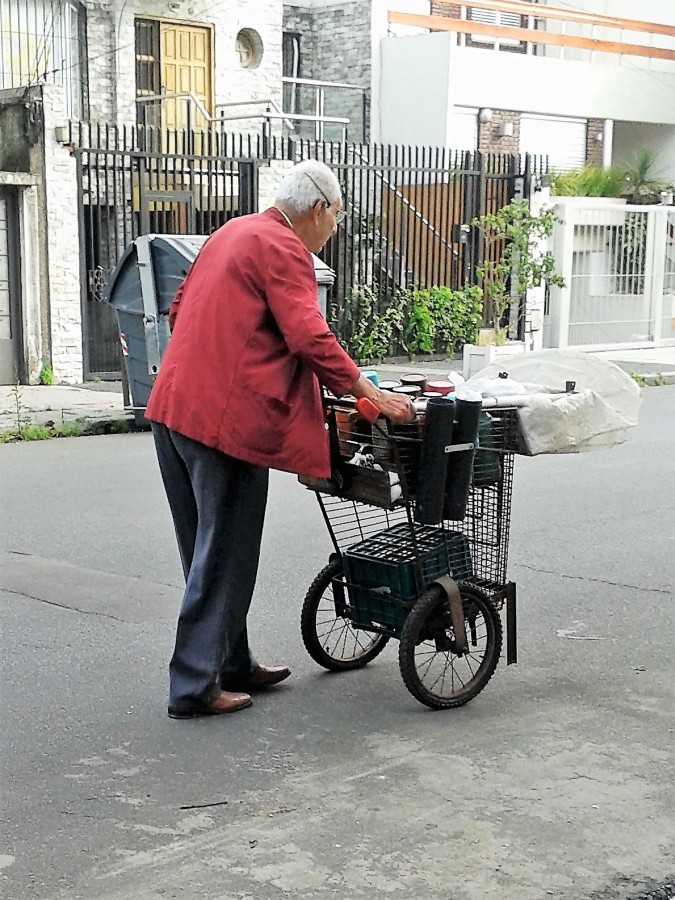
(339, 216)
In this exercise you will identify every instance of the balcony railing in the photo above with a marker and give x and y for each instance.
(544, 27)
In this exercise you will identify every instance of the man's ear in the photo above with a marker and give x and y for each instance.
(318, 208)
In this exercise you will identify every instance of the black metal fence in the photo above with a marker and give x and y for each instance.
(129, 186)
(410, 220)
(410, 210)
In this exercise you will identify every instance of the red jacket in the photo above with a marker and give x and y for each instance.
(240, 370)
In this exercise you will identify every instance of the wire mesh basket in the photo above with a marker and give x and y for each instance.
(372, 507)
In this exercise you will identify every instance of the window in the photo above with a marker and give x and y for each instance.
(44, 42)
(501, 20)
(249, 47)
(147, 72)
(291, 69)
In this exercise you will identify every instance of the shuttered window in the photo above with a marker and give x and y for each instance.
(493, 17)
(562, 140)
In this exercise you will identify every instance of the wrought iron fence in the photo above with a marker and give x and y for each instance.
(411, 220)
(409, 224)
(128, 186)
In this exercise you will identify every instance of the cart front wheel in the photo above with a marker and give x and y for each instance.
(329, 636)
(433, 668)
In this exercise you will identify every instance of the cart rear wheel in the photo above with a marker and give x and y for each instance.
(329, 637)
(432, 669)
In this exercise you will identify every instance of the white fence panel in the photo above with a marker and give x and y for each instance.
(618, 262)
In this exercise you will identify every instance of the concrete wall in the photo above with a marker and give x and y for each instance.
(422, 75)
(629, 137)
(413, 97)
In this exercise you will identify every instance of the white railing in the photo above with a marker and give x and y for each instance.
(194, 114)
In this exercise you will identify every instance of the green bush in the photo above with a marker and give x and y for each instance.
(416, 321)
(590, 181)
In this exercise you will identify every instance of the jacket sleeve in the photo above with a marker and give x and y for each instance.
(290, 288)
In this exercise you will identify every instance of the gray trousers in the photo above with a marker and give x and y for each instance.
(218, 508)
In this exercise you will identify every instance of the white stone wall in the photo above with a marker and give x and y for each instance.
(112, 73)
(63, 257)
(269, 177)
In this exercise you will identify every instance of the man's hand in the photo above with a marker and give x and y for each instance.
(396, 407)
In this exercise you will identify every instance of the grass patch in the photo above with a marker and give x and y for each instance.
(638, 379)
(35, 432)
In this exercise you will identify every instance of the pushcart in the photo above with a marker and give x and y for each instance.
(434, 579)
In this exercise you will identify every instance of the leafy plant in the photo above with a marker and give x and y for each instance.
(416, 321)
(641, 186)
(515, 262)
(455, 315)
(638, 379)
(631, 242)
(590, 181)
(46, 375)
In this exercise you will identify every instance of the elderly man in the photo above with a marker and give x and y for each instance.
(239, 393)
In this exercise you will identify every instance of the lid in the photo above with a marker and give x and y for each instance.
(440, 385)
(322, 272)
(169, 256)
(411, 390)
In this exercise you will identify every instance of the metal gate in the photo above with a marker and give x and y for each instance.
(128, 186)
(410, 214)
(618, 263)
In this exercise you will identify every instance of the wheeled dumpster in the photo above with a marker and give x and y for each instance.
(141, 290)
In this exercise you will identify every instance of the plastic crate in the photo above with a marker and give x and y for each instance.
(386, 573)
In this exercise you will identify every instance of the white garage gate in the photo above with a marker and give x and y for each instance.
(563, 140)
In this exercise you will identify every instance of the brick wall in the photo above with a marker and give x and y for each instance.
(335, 45)
(449, 10)
(489, 140)
(594, 147)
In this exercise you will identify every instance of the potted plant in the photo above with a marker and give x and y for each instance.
(515, 263)
(640, 184)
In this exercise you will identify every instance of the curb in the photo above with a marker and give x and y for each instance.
(657, 379)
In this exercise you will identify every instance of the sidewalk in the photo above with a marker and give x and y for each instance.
(98, 406)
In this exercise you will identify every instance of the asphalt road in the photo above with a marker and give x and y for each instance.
(557, 781)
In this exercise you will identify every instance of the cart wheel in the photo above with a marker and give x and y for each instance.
(330, 638)
(433, 671)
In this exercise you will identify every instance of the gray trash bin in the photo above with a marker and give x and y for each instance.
(141, 290)
(325, 277)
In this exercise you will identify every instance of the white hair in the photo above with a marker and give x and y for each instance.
(305, 184)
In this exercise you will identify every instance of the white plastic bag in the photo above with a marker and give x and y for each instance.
(600, 405)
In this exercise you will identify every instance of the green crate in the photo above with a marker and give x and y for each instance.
(385, 574)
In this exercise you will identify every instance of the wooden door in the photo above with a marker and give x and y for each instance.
(186, 67)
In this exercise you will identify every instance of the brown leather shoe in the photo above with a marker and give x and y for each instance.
(260, 678)
(225, 702)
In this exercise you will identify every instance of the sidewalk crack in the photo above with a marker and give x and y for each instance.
(637, 587)
(84, 612)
